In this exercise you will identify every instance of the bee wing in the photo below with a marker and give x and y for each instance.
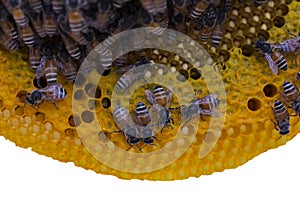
(271, 64)
(39, 71)
(212, 112)
(150, 97)
(206, 99)
(169, 94)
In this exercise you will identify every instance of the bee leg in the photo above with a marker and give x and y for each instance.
(53, 102)
(289, 32)
(165, 127)
(154, 137)
(118, 131)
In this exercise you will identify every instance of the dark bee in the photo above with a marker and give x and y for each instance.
(69, 69)
(198, 9)
(36, 5)
(8, 42)
(75, 17)
(209, 21)
(275, 59)
(37, 23)
(27, 35)
(217, 33)
(71, 46)
(49, 65)
(103, 16)
(7, 27)
(50, 24)
(14, 7)
(161, 98)
(182, 6)
(123, 120)
(50, 93)
(289, 45)
(35, 55)
(282, 118)
(298, 75)
(292, 96)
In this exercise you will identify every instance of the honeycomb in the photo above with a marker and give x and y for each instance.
(248, 128)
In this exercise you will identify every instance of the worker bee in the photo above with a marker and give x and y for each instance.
(27, 35)
(292, 96)
(182, 6)
(104, 15)
(143, 119)
(179, 21)
(71, 46)
(50, 24)
(35, 55)
(149, 6)
(58, 6)
(37, 23)
(282, 118)
(75, 17)
(69, 69)
(298, 75)
(259, 2)
(198, 9)
(50, 93)
(162, 98)
(8, 42)
(14, 7)
(134, 73)
(49, 65)
(210, 16)
(126, 126)
(5, 24)
(36, 5)
(275, 59)
(289, 45)
(217, 33)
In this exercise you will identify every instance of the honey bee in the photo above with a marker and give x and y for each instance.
(103, 15)
(7, 27)
(182, 6)
(35, 55)
(27, 35)
(123, 120)
(298, 75)
(161, 98)
(275, 59)
(179, 21)
(121, 61)
(75, 17)
(8, 42)
(49, 18)
(282, 118)
(289, 45)
(69, 69)
(37, 23)
(135, 73)
(149, 6)
(208, 105)
(198, 9)
(14, 7)
(217, 33)
(210, 16)
(71, 46)
(292, 95)
(142, 115)
(58, 6)
(50, 93)
(36, 5)
(49, 65)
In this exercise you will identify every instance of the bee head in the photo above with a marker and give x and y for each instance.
(48, 51)
(74, 4)
(263, 46)
(29, 101)
(36, 96)
(15, 3)
(284, 128)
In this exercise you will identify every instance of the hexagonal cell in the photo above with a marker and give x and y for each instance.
(195, 73)
(106, 103)
(183, 76)
(87, 116)
(73, 120)
(270, 90)
(70, 133)
(282, 9)
(92, 90)
(79, 95)
(40, 83)
(20, 97)
(278, 21)
(1, 103)
(40, 117)
(80, 80)
(248, 50)
(254, 104)
(18, 110)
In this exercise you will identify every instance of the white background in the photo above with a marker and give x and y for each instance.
(26, 175)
